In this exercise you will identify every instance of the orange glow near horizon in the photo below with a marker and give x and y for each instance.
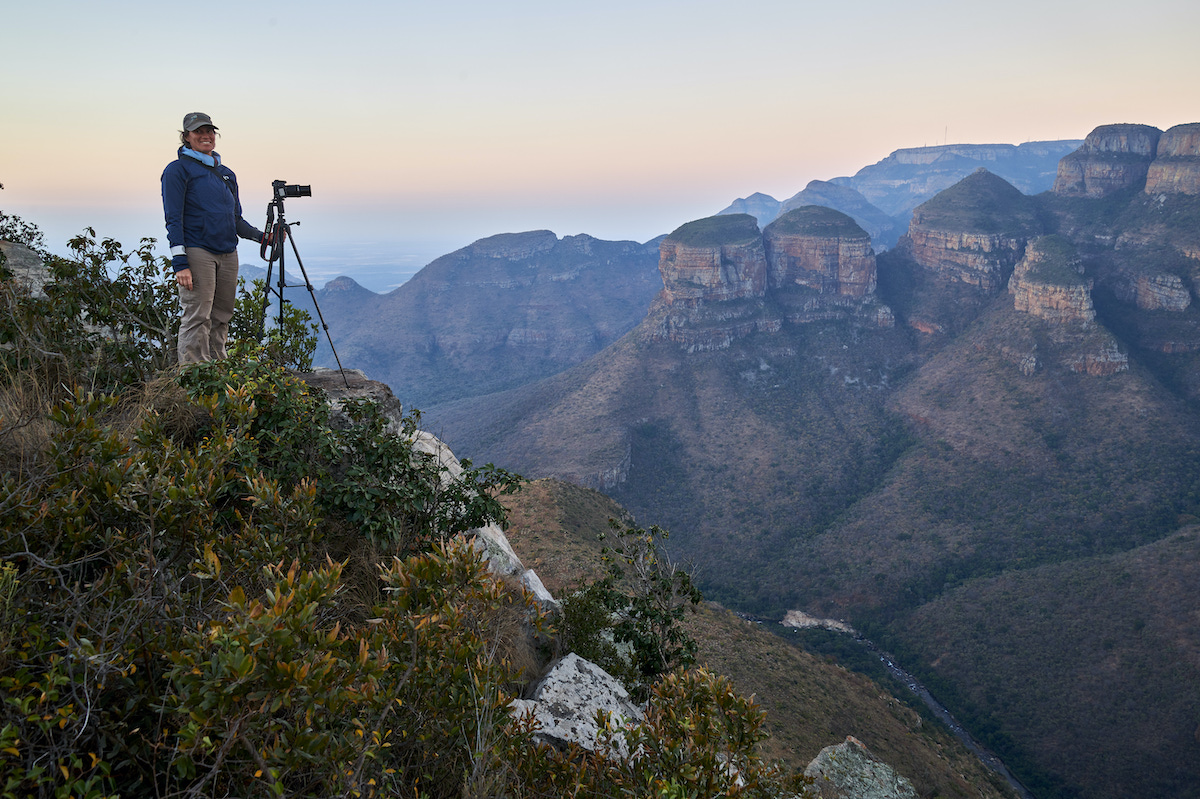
(485, 116)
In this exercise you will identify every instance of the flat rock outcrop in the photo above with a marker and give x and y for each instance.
(1049, 283)
(1112, 158)
(849, 771)
(717, 258)
(973, 232)
(720, 285)
(1176, 167)
(822, 249)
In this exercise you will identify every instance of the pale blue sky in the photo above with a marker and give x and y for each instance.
(447, 122)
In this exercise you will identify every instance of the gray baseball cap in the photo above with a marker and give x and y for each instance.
(196, 120)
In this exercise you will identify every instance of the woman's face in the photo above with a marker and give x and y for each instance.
(203, 139)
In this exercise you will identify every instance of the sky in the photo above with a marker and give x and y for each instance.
(422, 127)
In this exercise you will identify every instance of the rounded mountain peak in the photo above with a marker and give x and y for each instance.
(980, 203)
(817, 220)
(717, 231)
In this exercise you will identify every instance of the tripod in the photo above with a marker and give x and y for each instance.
(274, 237)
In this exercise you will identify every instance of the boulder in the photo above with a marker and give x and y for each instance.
(849, 771)
(27, 267)
(567, 700)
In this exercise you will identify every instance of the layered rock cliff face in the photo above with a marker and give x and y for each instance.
(1176, 167)
(723, 279)
(1112, 158)
(1156, 291)
(714, 259)
(821, 249)
(974, 232)
(1049, 283)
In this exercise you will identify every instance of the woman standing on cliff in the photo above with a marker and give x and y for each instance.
(204, 221)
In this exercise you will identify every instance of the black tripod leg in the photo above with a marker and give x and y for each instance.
(308, 284)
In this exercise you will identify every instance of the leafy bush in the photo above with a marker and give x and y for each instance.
(290, 343)
(629, 620)
(699, 739)
(184, 611)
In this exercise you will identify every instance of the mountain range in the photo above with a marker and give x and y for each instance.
(981, 446)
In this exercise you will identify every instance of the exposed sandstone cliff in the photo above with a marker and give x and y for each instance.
(1112, 158)
(822, 249)
(1154, 291)
(713, 259)
(974, 232)
(1176, 167)
(720, 284)
(1049, 283)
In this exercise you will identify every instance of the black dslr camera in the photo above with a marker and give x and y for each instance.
(284, 189)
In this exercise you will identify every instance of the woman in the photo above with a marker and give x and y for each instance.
(204, 222)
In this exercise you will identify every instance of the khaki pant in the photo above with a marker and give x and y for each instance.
(208, 306)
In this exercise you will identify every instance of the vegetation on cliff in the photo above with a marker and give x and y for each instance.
(981, 203)
(817, 220)
(208, 589)
(716, 231)
(891, 477)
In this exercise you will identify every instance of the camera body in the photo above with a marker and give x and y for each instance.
(284, 189)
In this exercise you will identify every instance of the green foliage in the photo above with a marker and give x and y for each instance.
(699, 739)
(183, 608)
(715, 231)
(640, 603)
(128, 557)
(18, 231)
(982, 203)
(817, 220)
(108, 318)
(288, 340)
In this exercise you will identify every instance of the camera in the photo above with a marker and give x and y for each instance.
(284, 189)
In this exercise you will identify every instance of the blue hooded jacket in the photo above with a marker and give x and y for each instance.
(201, 209)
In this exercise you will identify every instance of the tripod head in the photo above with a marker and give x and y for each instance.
(273, 236)
(284, 189)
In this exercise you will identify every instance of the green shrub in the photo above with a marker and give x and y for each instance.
(182, 608)
(629, 620)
